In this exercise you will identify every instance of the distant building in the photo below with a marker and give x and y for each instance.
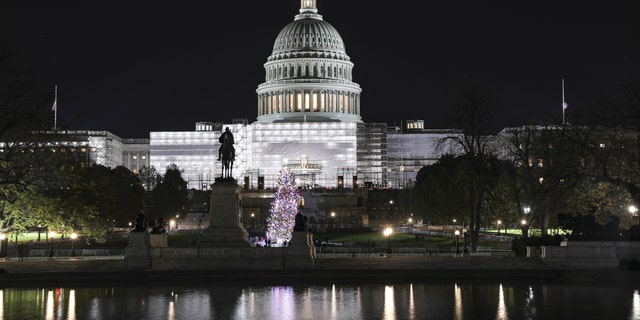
(135, 154)
(97, 147)
(308, 118)
(412, 147)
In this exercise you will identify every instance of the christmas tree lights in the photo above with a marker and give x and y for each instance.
(284, 208)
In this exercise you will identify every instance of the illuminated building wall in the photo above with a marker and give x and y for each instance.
(194, 152)
(372, 155)
(409, 151)
(135, 154)
(103, 147)
(315, 152)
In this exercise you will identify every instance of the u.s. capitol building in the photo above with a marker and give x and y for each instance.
(308, 117)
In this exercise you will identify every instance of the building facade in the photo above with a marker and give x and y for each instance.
(308, 117)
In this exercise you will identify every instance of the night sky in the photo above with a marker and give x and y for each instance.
(131, 67)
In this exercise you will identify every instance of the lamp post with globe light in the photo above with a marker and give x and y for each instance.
(499, 222)
(525, 228)
(387, 233)
(3, 246)
(73, 237)
(634, 213)
(51, 235)
(457, 233)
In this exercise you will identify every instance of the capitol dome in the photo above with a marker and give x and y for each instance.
(309, 36)
(308, 74)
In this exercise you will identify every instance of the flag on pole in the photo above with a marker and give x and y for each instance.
(564, 104)
(55, 100)
(54, 108)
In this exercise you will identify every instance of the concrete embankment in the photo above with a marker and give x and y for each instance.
(390, 269)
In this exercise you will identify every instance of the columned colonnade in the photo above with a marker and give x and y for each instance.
(309, 100)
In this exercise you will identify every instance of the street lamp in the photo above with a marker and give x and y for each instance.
(73, 237)
(457, 233)
(253, 219)
(464, 240)
(634, 213)
(499, 224)
(51, 235)
(525, 228)
(3, 246)
(387, 233)
(455, 226)
(333, 218)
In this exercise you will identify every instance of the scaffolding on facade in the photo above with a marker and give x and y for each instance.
(372, 155)
(240, 138)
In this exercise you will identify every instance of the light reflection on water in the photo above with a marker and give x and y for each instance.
(337, 301)
(502, 307)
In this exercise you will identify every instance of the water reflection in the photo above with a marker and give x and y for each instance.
(502, 307)
(49, 305)
(635, 310)
(412, 305)
(352, 301)
(72, 305)
(389, 304)
(457, 293)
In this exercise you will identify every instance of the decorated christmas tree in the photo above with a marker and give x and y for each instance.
(284, 208)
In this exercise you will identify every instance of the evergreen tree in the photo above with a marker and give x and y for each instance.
(284, 208)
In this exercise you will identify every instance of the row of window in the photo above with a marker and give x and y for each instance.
(63, 150)
(343, 102)
(315, 70)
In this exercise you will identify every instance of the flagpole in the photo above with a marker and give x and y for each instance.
(55, 109)
(564, 105)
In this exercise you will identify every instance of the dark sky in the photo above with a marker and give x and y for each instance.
(131, 67)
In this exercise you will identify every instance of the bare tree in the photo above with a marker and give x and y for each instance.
(475, 108)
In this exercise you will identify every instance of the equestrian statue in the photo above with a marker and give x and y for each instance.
(226, 153)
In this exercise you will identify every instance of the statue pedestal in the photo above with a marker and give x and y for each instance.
(225, 223)
(136, 254)
(300, 252)
(158, 240)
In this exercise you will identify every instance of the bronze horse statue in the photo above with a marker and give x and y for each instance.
(228, 155)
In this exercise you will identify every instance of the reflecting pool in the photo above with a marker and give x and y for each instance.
(440, 300)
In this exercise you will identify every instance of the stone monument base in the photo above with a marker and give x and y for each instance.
(136, 254)
(300, 252)
(225, 225)
(225, 237)
(158, 240)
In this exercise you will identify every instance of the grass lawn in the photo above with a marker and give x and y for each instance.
(366, 239)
